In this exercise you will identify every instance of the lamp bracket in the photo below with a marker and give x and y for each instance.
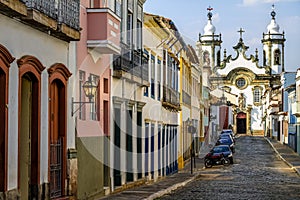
(80, 105)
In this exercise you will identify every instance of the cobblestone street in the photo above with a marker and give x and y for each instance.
(257, 173)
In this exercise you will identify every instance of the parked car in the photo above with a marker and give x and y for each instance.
(226, 141)
(227, 135)
(220, 151)
(228, 131)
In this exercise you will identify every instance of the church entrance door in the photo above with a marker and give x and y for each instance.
(241, 123)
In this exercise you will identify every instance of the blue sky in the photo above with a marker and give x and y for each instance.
(190, 17)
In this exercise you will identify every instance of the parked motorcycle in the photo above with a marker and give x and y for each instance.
(219, 155)
(209, 162)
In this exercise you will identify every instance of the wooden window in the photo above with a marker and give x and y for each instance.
(105, 85)
(158, 78)
(152, 76)
(95, 107)
(105, 117)
(129, 27)
(82, 113)
(118, 7)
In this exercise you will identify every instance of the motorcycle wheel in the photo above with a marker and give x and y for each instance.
(208, 163)
(226, 162)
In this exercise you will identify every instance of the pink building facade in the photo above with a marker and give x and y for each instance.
(99, 40)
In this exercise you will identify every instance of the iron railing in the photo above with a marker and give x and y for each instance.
(186, 98)
(171, 97)
(63, 11)
(56, 169)
(131, 61)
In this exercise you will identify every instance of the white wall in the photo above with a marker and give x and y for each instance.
(22, 40)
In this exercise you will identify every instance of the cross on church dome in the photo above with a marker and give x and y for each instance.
(241, 31)
(209, 14)
(273, 13)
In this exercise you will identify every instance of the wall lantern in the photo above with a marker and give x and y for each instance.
(89, 88)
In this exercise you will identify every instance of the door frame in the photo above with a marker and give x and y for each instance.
(5, 60)
(241, 115)
(30, 64)
(59, 72)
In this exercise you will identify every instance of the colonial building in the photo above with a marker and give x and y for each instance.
(162, 42)
(172, 99)
(296, 112)
(100, 38)
(37, 59)
(292, 119)
(129, 76)
(242, 75)
(196, 98)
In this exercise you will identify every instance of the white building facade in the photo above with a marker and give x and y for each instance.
(242, 76)
(37, 61)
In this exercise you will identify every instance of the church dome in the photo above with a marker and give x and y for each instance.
(273, 27)
(209, 29)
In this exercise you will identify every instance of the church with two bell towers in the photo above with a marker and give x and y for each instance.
(242, 75)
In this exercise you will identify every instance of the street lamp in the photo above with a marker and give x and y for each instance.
(89, 88)
(192, 131)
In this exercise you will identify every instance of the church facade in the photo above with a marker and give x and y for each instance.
(241, 75)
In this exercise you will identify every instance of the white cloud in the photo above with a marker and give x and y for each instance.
(253, 42)
(216, 17)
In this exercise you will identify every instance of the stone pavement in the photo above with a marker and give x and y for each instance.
(172, 182)
(287, 154)
(162, 186)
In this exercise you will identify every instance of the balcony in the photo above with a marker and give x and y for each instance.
(296, 108)
(59, 18)
(103, 34)
(186, 98)
(131, 64)
(171, 99)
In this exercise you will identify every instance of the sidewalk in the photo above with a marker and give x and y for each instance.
(184, 176)
(163, 186)
(291, 158)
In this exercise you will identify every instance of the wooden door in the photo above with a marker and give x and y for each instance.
(57, 147)
(2, 129)
(241, 123)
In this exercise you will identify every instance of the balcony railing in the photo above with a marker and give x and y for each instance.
(171, 99)
(186, 98)
(131, 62)
(63, 11)
(59, 18)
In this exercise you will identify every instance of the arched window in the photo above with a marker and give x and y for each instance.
(206, 59)
(277, 57)
(218, 58)
(264, 58)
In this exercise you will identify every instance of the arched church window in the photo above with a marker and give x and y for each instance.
(264, 58)
(277, 57)
(218, 58)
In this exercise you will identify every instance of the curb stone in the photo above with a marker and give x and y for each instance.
(279, 155)
(171, 188)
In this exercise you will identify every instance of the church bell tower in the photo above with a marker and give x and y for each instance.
(273, 47)
(210, 47)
